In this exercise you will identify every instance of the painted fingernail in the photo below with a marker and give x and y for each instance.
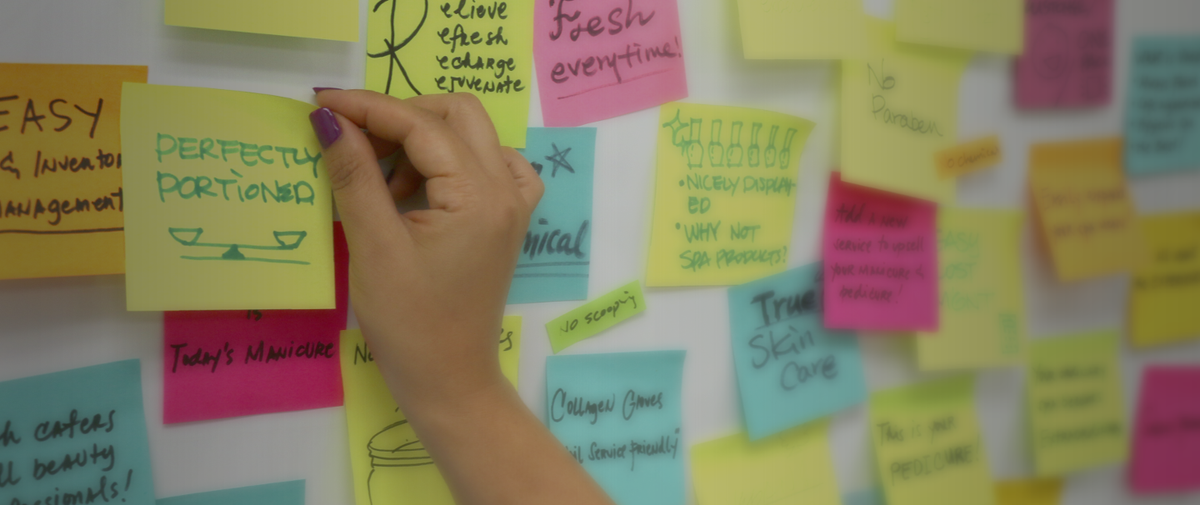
(318, 90)
(326, 126)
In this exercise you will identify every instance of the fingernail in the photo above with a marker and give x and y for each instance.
(318, 90)
(326, 126)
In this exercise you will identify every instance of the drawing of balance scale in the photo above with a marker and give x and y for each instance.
(285, 241)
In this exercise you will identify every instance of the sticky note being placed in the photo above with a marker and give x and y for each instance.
(227, 202)
(75, 436)
(1166, 435)
(725, 194)
(1077, 417)
(982, 302)
(605, 58)
(283, 493)
(1029, 492)
(389, 463)
(899, 109)
(61, 198)
(556, 254)
(802, 29)
(620, 416)
(1163, 105)
(928, 444)
(995, 26)
(790, 369)
(1068, 58)
(1166, 288)
(969, 157)
(881, 260)
(790, 467)
(419, 47)
(596, 316)
(317, 19)
(1084, 209)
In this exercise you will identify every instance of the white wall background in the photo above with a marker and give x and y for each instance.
(49, 325)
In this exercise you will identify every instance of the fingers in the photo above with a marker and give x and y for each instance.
(404, 180)
(466, 116)
(528, 181)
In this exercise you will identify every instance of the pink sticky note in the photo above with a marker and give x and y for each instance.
(227, 363)
(880, 253)
(598, 59)
(1166, 438)
(1068, 60)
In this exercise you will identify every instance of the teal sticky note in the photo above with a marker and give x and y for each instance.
(1162, 112)
(870, 496)
(75, 436)
(554, 260)
(281, 493)
(790, 369)
(620, 415)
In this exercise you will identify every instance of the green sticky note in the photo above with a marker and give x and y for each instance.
(282, 493)
(596, 316)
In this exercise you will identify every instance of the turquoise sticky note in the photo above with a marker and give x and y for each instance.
(75, 436)
(870, 496)
(620, 415)
(1162, 114)
(790, 369)
(554, 260)
(282, 493)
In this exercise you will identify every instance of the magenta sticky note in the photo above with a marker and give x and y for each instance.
(224, 363)
(598, 59)
(880, 252)
(1166, 438)
(1068, 60)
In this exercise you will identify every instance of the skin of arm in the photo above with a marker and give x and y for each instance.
(429, 286)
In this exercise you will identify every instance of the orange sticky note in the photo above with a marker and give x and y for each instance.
(969, 157)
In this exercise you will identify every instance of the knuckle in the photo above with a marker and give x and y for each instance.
(345, 172)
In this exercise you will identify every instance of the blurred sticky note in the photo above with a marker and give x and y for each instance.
(899, 109)
(725, 194)
(969, 157)
(316, 19)
(620, 415)
(870, 496)
(1068, 58)
(419, 47)
(802, 29)
(227, 202)
(1077, 417)
(596, 316)
(389, 463)
(226, 363)
(928, 444)
(605, 58)
(1166, 288)
(1166, 436)
(881, 261)
(790, 369)
(790, 467)
(556, 254)
(995, 26)
(60, 169)
(87, 429)
(282, 493)
(1163, 105)
(1029, 492)
(1084, 210)
(982, 302)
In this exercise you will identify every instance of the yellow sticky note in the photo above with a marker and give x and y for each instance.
(1166, 289)
(969, 157)
(596, 316)
(928, 445)
(802, 29)
(1029, 492)
(316, 19)
(1076, 411)
(996, 26)
(725, 194)
(899, 109)
(789, 467)
(227, 202)
(388, 462)
(61, 198)
(982, 302)
(1084, 209)
(418, 47)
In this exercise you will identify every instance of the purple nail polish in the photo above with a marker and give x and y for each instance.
(318, 90)
(326, 126)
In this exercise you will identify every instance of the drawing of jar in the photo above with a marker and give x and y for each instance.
(395, 453)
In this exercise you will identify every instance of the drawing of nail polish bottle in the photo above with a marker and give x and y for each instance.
(399, 462)
(770, 152)
(716, 151)
(785, 154)
(695, 150)
(735, 152)
(753, 152)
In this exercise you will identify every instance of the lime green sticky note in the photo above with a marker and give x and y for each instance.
(996, 26)
(802, 29)
(982, 301)
(1076, 410)
(790, 467)
(596, 316)
(317, 19)
(928, 445)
